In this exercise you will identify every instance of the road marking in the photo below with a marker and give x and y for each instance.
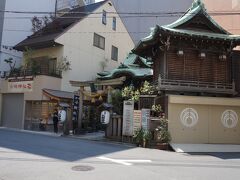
(124, 161)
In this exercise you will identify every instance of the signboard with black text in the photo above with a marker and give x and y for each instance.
(75, 108)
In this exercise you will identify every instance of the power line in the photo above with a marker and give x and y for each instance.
(91, 32)
(85, 32)
(213, 13)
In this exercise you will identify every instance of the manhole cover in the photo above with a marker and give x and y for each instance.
(82, 168)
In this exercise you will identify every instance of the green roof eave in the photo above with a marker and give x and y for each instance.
(134, 72)
(202, 34)
(197, 7)
(151, 38)
(131, 60)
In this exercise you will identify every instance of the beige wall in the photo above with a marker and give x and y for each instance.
(209, 128)
(40, 82)
(86, 58)
(228, 22)
(53, 52)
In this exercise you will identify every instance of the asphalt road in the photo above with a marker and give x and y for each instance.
(27, 156)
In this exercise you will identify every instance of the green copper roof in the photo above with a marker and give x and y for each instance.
(202, 34)
(133, 65)
(197, 8)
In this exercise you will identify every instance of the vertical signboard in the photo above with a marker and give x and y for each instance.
(75, 108)
(128, 118)
(146, 119)
(137, 122)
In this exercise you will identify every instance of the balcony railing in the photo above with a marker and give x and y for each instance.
(195, 86)
(23, 73)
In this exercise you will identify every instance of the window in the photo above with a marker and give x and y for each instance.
(104, 17)
(114, 53)
(114, 23)
(99, 41)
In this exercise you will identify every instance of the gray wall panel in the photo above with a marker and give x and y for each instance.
(12, 110)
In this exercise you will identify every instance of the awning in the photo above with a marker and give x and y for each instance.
(57, 94)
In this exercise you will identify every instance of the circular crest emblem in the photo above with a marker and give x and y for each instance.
(229, 119)
(189, 117)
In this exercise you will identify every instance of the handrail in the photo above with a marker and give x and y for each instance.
(22, 73)
(181, 85)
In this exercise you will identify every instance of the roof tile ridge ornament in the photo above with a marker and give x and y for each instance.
(198, 3)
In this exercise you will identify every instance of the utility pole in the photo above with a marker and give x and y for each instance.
(55, 14)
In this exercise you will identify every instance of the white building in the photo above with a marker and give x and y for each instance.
(90, 42)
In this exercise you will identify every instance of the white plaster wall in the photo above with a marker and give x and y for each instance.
(84, 57)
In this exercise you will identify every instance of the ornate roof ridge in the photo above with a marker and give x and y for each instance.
(197, 3)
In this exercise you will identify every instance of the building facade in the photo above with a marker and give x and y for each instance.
(153, 13)
(225, 13)
(68, 49)
(192, 64)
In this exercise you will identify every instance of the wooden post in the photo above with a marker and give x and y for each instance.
(109, 97)
(80, 114)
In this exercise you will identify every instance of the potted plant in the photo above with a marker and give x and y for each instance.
(157, 110)
(162, 135)
(142, 137)
(147, 136)
(138, 137)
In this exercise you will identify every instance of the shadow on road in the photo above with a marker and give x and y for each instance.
(223, 155)
(66, 149)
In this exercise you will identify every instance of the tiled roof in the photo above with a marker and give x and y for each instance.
(133, 65)
(47, 35)
(58, 94)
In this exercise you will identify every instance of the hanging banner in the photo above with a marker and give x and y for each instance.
(128, 108)
(20, 85)
(146, 119)
(137, 121)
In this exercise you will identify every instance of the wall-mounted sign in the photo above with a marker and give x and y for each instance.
(105, 117)
(20, 85)
(189, 117)
(229, 119)
(128, 118)
(146, 119)
(137, 121)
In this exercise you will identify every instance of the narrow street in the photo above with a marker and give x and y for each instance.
(30, 156)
